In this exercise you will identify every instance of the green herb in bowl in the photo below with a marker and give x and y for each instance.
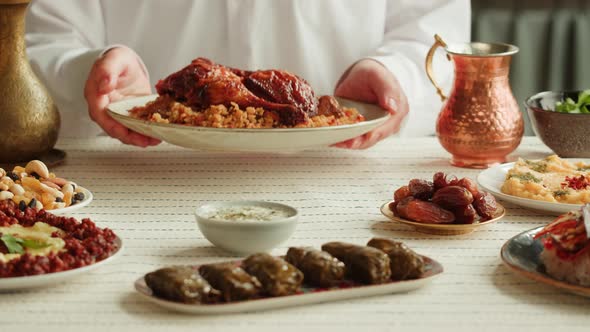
(570, 106)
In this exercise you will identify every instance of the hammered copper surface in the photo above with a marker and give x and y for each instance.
(29, 120)
(480, 123)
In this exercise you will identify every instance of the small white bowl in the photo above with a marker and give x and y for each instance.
(245, 237)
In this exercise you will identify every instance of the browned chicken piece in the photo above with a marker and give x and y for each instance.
(204, 83)
(328, 105)
(283, 88)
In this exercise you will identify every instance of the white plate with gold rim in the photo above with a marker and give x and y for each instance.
(493, 178)
(248, 140)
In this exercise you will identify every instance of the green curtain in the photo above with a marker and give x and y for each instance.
(553, 37)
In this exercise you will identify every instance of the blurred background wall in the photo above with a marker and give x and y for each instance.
(553, 37)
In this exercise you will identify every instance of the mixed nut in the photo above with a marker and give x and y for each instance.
(35, 187)
(445, 200)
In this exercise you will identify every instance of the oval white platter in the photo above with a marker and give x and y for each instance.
(248, 140)
(306, 297)
(492, 179)
(43, 280)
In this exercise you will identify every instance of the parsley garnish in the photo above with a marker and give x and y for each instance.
(537, 166)
(525, 177)
(17, 245)
(13, 244)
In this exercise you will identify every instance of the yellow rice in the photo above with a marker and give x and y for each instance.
(165, 110)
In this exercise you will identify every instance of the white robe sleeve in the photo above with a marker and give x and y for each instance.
(409, 33)
(64, 38)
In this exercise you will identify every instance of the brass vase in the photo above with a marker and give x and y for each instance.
(29, 120)
(480, 122)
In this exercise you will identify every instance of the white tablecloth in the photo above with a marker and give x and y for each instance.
(148, 196)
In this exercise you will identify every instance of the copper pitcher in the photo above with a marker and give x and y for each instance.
(480, 123)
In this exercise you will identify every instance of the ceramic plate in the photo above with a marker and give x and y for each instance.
(521, 255)
(87, 199)
(253, 140)
(442, 229)
(492, 179)
(306, 297)
(42, 280)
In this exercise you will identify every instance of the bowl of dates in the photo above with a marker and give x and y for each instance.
(444, 206)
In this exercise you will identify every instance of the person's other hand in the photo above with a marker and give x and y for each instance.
(369, 81)
(117, 75)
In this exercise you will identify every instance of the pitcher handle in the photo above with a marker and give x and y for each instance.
(438, 42)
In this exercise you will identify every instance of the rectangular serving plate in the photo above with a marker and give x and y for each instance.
(307, 296)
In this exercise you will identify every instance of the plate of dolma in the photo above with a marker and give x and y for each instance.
(304, 276)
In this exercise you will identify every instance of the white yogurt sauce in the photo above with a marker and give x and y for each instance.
(248, 213)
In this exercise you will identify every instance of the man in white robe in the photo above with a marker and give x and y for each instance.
(90, 53)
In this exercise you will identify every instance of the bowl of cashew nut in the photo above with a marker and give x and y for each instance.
(34, 186)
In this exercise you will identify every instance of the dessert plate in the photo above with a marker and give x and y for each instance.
(308, 295)
(492, 179)
(248, 140)
(42, 280)
(521, 255)
(442, 229)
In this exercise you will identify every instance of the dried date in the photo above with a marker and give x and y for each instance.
(421, 189)
(441, 180)
(453, 181)
(470, 185)
(446, 199)
(401, 193)
(427, 212)
(393, 207)
(486, 206)
(452, 196)
(465, 214)
(401, 207)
